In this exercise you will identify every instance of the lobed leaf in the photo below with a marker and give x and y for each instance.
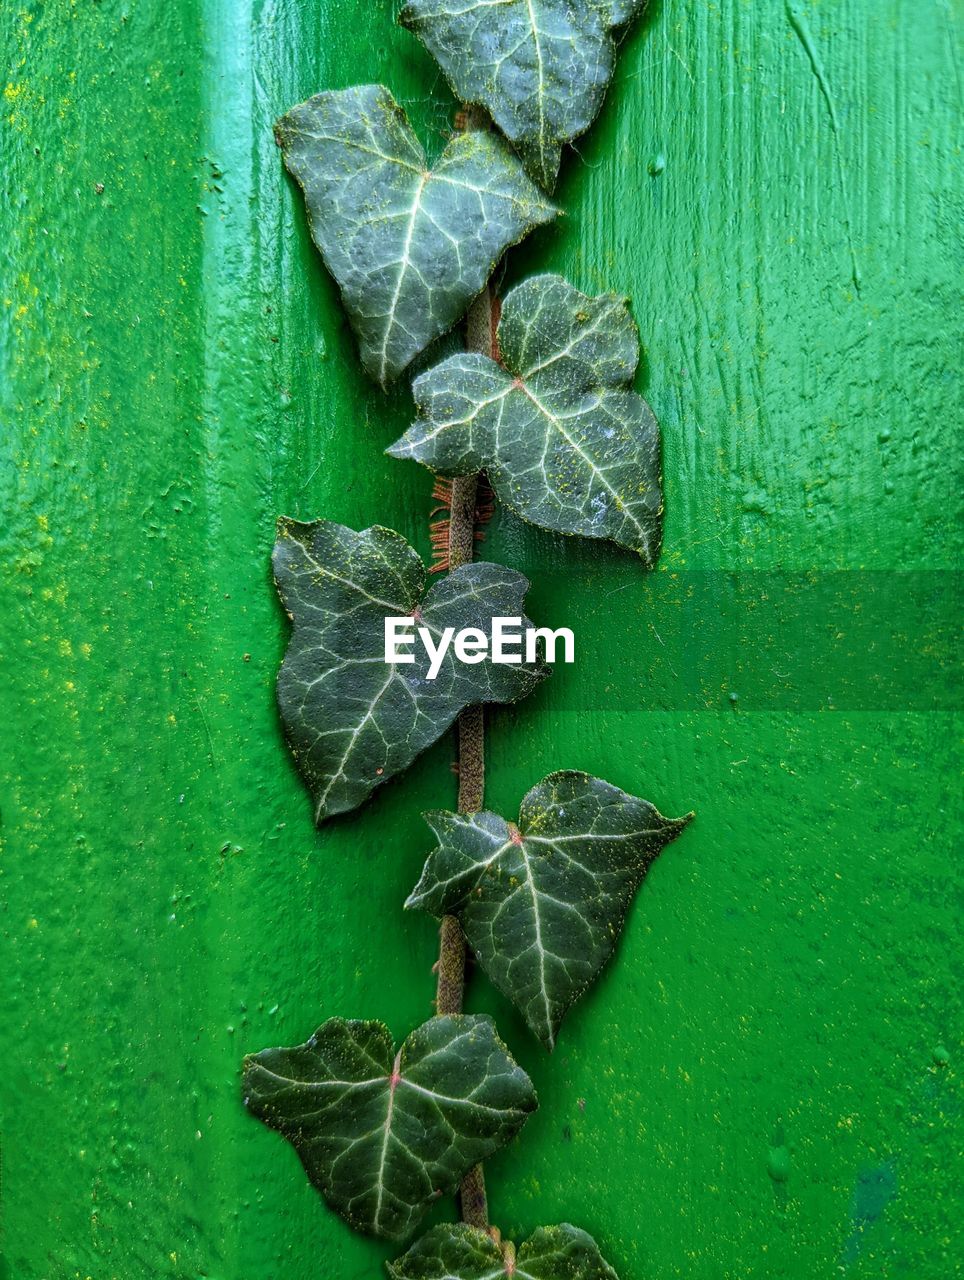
(539, 67)
(410, 246)
(459, 1252)
(542, 903)
(353, 721)
(564, 441)
(383, 1134)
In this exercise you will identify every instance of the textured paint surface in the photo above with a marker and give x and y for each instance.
(765, 1083)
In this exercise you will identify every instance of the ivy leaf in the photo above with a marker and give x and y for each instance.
(458, 1252)
(542, 903)
(539, 67)
(409, 246)
(383, 1134)
(352, 720)
(564, 441)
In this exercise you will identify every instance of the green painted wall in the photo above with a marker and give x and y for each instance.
(765, 1084)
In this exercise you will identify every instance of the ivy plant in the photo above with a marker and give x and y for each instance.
(541, 402)
(410, 246)
(542, 902)
(353, 721)
(563, 440)
(455, 1251)
(383, 1134)
(540, 67)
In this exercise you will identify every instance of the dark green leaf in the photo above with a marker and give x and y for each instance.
(352, 720)
(382, 1135)
(565, 443)
(542, 903)
(539, 67)
(458, 1252)
(409, 246)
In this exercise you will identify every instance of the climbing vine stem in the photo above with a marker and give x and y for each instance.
(479, 336)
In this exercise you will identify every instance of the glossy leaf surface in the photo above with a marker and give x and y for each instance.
(564, 441)
(542, 903)
(410, 246)
(383, 1134)
(353, 720)
(539, 67)
(459, 1252)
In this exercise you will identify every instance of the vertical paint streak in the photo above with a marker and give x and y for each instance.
(801, 29)
(231, 479)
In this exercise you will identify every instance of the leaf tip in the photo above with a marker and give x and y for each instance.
(680, 824)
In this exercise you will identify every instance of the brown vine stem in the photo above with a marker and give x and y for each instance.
(471, 749)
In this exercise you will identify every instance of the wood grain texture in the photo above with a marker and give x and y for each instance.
(759, 1088)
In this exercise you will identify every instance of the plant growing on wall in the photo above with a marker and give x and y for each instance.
(541, 402)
